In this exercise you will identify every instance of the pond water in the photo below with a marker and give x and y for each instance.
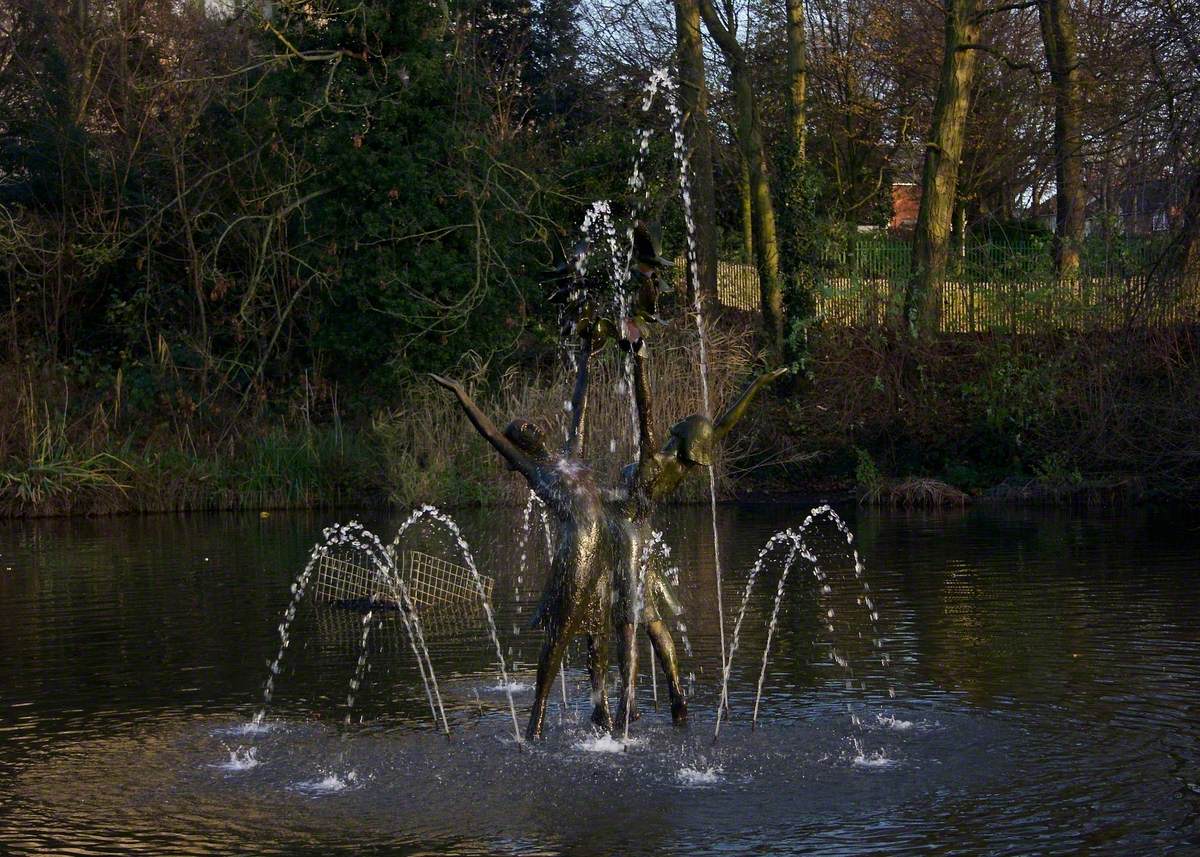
(1044, 665)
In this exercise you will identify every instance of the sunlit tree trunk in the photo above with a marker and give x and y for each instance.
(939, 183)
(762, 208)
(797, 81)
(1062, 56)
(693, 100)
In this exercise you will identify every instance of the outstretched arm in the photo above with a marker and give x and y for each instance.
(574, 445)
(488, 429)
(737, 410)
(645, 413)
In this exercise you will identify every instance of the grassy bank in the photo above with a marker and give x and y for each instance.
(281, 468)
(1099, 418)
(70, 452)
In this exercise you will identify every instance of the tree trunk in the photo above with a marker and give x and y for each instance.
(83, 88)
(747, 215)
(939, 182)
(797, 83)
(1189, 242)
(1177, 270)
(762, 211)
(1062, 56)
(693, 101)
(762, 208)
(796, 244)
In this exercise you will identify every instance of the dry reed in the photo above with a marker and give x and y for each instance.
(433, 454)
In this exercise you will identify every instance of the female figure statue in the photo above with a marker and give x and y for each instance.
(653, 477)
(575, 600)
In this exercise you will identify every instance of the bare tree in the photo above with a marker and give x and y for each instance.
(1062, 56)
(943, 151)
(693, 101)
(797, 81)
(750, 140)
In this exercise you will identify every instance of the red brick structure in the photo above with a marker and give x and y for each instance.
(906, 203)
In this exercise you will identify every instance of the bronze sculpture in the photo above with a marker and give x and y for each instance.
(652, 478)
(576, 596)
(602, 536)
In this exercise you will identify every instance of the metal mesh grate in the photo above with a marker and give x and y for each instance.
(431, 580)
(343, 629)
(455, 620)
(343, 576)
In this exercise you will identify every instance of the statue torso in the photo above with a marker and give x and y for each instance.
(578, 578)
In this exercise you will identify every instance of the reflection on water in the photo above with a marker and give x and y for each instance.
(1045, 666)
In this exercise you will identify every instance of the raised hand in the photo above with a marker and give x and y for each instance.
(733, 414)
(452, 386)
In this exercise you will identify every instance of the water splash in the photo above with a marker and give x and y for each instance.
(606, 743)
(698, 777)
(432, 512)
(782, 537)
(248, 728)
(512, 687)
(384, 561)
(873, 761)
(661, 79)
(864, 600)
(327, 783)
(531, 501)
(285, 625)
(891, 721)
(672, 573)
(360, 667)
(522, 562)
(598, 224)
(354, 535)
(797, 547)
(656, 544)
(599, 228)
(240, 759)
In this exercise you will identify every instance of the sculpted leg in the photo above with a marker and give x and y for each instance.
(548, 666)
(627, 659)
(598, 671)
(664, 647)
